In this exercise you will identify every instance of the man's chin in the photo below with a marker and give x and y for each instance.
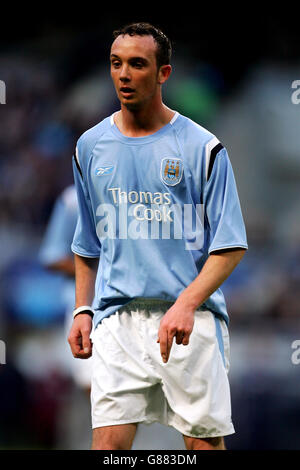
(131, 105)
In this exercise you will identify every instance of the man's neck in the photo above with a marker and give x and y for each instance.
(142, 122)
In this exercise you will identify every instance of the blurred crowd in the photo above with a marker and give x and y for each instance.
(40, 123)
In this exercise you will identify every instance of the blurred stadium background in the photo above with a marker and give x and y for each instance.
(233, 75)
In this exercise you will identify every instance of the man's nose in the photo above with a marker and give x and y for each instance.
(125, 74)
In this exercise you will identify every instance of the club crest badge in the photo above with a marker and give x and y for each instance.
(171, 171)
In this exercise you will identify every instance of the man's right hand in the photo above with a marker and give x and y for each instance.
(79, 337)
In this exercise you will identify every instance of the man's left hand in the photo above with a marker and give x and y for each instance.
(178, 321)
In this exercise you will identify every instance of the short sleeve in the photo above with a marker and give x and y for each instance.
(85, 242)
(226, 228)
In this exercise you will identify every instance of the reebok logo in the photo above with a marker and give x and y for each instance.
(104, 170)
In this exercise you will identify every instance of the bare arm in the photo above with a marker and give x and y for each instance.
(86, 271)
(85, 276)
(179, 319)
(64, 265)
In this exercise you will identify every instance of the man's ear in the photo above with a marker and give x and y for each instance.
(164, 73)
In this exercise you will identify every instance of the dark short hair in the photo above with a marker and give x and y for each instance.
(164, 48)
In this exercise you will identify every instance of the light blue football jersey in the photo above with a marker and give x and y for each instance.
(153, 208)
(56, 244)
(60, 229)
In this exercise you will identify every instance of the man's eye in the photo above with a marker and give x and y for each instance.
(115, 64)
(138, 64)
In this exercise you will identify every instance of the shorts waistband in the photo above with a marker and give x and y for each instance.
(149, 305)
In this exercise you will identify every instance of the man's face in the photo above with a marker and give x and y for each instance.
(134, 69)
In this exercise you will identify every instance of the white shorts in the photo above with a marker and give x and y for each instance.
(131, 383)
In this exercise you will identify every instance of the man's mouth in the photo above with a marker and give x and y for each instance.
(125, 90)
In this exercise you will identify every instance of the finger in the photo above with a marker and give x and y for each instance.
(83, 355)
(179, 337)
(86, 346)
(75, 345)
(86, 343)
(79, 349)
(170, 342)
(163, 343)
(186, 339)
